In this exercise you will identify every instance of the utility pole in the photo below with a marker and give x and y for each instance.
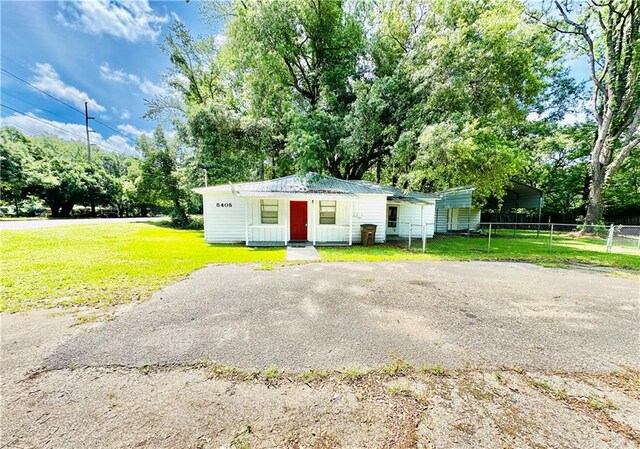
(86, 126)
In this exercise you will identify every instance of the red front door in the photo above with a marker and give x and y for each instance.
(298, 220)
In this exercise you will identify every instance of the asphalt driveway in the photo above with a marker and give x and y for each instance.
(335, 315)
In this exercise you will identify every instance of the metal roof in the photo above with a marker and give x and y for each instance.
(314, 184)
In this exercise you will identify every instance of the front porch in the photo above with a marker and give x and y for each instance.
(323, 220)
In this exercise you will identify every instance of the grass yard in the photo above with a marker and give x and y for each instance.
(565, 250)
(105, 264)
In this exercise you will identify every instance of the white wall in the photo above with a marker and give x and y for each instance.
(370, 209)
(330, 233)
(467, 219)
(223, 224)
(268, 233)
(412, 213)
(226, 224)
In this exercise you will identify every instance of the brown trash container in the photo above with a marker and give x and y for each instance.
(368, 234)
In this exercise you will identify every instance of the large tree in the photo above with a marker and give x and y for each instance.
(423, 94)
(474, 71)
(608, 33)
(161, 177)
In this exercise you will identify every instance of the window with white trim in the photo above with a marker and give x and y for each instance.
(327, 212)
(269, 211)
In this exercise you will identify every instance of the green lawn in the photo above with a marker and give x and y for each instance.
(525, 249)
(105, 264)
(101, 265)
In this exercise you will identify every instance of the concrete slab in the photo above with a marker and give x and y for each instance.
(302, 253)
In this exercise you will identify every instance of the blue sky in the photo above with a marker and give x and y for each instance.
(103, 52)
(100, 51)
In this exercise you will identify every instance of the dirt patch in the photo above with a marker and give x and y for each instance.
(395, 407)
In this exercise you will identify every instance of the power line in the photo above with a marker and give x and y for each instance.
(23, 128)
(66, 104)
(34, 104)
(40, 120)
(40, 90)
(56, 127)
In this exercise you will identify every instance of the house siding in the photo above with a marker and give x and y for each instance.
(468, 219)
(267, 233)
(370, 209)
(416, 215)
(223, 224)
(225, 215)
(460, 201)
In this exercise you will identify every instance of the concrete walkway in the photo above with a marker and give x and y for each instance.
(302, 253)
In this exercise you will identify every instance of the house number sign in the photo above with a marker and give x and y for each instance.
(224, 205)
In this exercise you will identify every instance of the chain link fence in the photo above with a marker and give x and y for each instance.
(529, 237)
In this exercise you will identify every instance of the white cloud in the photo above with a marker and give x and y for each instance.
(48, 80)
(119, 76)
(533, 116)
(132, 130)
(147, 87)
(125, 115)
(156, 90)
(132, 20)
(35, 126)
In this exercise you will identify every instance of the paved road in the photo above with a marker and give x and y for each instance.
(334, 315)
(52, 223)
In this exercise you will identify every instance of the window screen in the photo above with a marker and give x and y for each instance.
(327, 212)
(269, 211)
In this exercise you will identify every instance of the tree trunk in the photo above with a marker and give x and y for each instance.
(55, 209)
(65, 210)
(595, 203)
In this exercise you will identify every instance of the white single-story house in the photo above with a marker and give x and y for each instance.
(314, 209)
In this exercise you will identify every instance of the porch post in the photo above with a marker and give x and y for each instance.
(247, 204)
(285, 228)
(351, 223)
(313, 220)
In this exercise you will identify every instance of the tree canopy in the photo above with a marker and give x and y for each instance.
(420, 94)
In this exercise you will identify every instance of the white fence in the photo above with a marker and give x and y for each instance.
(415, 232)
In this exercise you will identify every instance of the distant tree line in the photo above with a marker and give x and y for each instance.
(56, 172)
